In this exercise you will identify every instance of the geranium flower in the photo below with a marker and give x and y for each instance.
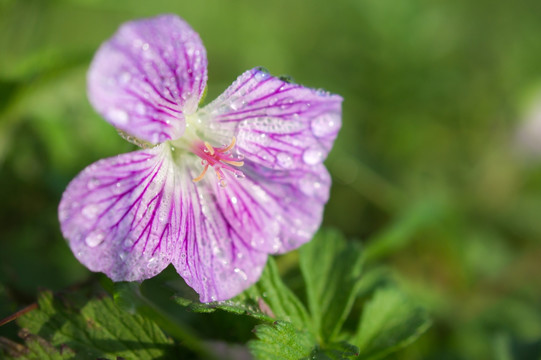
(214, 190)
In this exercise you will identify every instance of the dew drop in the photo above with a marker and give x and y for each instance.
(325, 125)
(309, 185)
(312, 156)
(93, 183)
(120, 117)
(234, 200)
(90, 211)
(145, 46)
(287, 78)
(153, 262)
(63, 215)
(239, 174)
(237, 104)
(124, 78)
(241, 273)
(95, 238)
(322, 92)
(117, 188)
(285, 160)
(204, 209)
(262, 74)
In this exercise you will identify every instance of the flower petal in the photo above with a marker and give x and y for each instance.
(214, 259)
(117, 215)
(277, 124)
(130, 216)
(275, 211)
(147, 76)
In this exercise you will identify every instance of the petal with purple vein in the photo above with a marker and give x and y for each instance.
(275, 211)
(148, 76)
(130, 216)
(277, 124)
(119, 215)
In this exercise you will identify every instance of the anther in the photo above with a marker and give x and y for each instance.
(210, 148)
(230, 146)
(220, 159)
(202, 175)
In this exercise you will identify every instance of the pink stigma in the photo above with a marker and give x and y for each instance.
(219, 158)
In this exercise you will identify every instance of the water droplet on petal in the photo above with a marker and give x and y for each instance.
(62, 215)
(204, 209)
(239, 174)
(313, 156)
(322, 92)
(124, 78)
(90, 211)
(94, 238)
(93, 183)
(325, 125)
(120, 117)
(234, 200)
(262, 74)
(287, 78)
(284, 160)
(310, 185)
(241, 273)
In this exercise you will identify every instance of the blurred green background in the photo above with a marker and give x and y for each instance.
(437, 169)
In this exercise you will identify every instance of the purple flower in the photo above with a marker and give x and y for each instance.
(214, 190)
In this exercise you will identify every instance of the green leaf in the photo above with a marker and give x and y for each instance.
(35, 348)
(124, 295)
(335, 351)
(331, 267)
(389, 322)
(269, 299)
(281, 341)
(97, 330)
(284, 304)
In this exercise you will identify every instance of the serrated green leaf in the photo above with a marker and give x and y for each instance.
(335, 351)
(124, 296)
(390, 321)
(284, 304)
(281, 341)
(98, 330)
(269, 299)
(331, 267)
(131, 297)
(36, 348)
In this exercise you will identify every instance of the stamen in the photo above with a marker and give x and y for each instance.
(230, 146)
(221, 179)
(202, 175)
(210, 148)
(234, 163)
(220, 159)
